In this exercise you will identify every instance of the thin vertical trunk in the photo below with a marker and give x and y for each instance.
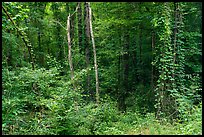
(152, 77)
(87, 43)
(9, 55)
(141, 79)
(118, 87)
(59, 43)
(134, 63)
(175, 33)
(79, 11)
(39, 48)
(70, 59)
(69, 49)
(95, 58)
(140, 44)
(125, 77)
(72, 27)
(119, 76)
(36, 8)
(126, 69)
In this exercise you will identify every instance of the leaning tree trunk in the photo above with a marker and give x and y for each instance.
(94, 52)
(23, 37)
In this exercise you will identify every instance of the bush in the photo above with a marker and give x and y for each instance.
(34, 97)
(43, 102)
(193, 123)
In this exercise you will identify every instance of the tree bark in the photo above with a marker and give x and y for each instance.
(69, 49)
(79, 11)
(72, 27)
(87, 43)
(95, 58)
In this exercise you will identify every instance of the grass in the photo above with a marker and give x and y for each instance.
(93, 121)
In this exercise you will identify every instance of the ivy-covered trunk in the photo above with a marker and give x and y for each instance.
(164, 62)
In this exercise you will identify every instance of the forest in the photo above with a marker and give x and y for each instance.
(102, 68)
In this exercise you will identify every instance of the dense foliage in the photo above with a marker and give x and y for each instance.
(139, 71)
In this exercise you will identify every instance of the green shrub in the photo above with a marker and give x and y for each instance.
(193, 123)
(31, 97)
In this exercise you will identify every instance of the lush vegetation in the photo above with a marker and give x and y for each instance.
(101, 68)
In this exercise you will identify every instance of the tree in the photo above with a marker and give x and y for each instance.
(24, 38)
(94, 51)
(87, 44)
(70, 49)
(164, 60)
(80, 38)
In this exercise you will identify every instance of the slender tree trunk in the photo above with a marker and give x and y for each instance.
(69, 49)
(59, 44)
(119, 70)
(125, 75)
(119, 76)
(140, 44)
(126, 69)
(175, 33)
(87, 43)
(152, 76)
(95, 58)
(72, 27)
(38, 28)
(79, 11)
(39, 47)
(141, 78)
(134, 63)
(9, 54)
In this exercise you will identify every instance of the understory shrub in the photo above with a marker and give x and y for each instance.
(42, 102)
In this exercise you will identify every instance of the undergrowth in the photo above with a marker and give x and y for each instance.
(40, 102)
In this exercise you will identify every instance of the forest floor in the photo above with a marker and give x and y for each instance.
(94, 122)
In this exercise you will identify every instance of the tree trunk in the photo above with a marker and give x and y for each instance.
(119, 70)
(23, 37)
(125, 81)
(9, 57)
(140, 43)
(152, 76)
(59, 44)
(36, 8)
(126, 69)
(72, 27)
(175, 33)
(79, 11)
(87, 43)
(141, 79)
(94, 52)
(69, 49)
